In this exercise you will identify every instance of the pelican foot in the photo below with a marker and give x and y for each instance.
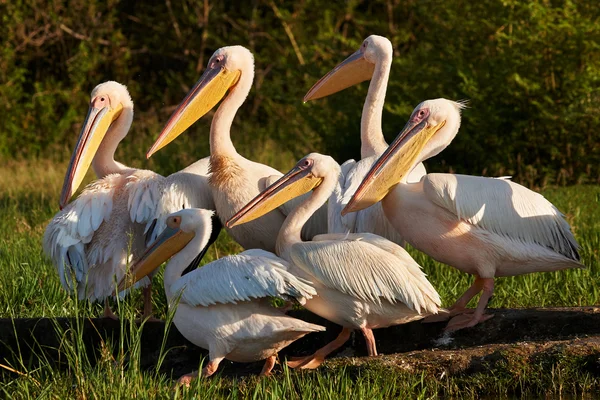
(187, 379)
(466, 321)
(309, 362)
(445, 315)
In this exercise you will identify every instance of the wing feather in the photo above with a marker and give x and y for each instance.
(74, 226)
(367, 267)
(504, 208)
(252, 274)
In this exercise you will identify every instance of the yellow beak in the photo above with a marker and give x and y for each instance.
(94, 129)
(393, 165)
(295, 183)
(351, 71)
(206, 93)
(169, 243)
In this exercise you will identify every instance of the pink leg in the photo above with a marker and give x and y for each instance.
(313, 361)
(108, 312)
(462, 302)
(207, 371)
(467, 321)
(269, 364)
(370, 339)
(460, 306)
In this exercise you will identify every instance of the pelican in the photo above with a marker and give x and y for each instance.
(373, 60)
(222, 306)
(487, 227)
(97, 235)
(363, 281)
(235, 180)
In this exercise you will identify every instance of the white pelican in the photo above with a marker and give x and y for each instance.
(235, 180)
(483, 226)
(91, 236)
(363, 281)
(373, 60)
(222, 306)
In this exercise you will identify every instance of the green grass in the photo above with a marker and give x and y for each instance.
(30, 287)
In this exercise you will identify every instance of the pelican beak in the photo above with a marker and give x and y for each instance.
(393, 165)
(295, 183)
(206, 93)
(353, 70)
(169, 243)
(93, 131)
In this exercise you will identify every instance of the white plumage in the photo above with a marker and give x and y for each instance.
(488, 227)
(250, 275)
(363, 281)
(222, 306)
(362, 266)
(504, 208)
(95, 237)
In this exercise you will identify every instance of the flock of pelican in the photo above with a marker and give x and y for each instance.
(328, 236)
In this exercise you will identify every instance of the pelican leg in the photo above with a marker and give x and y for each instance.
(108, 312)
(313, 361)
(460, 307)
(370, 339)
(207, 371)
(470, 320)
(269, 364)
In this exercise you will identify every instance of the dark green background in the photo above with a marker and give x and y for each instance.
(530, 69)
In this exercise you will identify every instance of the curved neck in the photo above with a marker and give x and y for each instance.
(371, 134)
(104, 162)
(292, 226)
(220, 129)
(179, 262)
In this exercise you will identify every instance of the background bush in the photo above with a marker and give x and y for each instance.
(531, 70)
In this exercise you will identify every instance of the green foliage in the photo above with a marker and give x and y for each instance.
(529, 68)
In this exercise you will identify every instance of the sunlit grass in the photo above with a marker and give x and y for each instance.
(30, 287)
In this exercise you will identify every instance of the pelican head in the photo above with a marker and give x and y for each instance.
(108, 100)
(223, 72)
(182, 227)
(431, 127)
(306, 175)
(357, 68)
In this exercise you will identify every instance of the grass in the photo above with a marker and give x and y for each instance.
(30, 287)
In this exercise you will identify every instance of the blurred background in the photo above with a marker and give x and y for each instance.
(530, 70)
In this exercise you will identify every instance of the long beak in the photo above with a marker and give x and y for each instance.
(93, 131)
(393, 165)
(293, 184)
(353, 70)
(169, 243)
(206, 93)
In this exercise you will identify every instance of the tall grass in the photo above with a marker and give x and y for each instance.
(30, 287)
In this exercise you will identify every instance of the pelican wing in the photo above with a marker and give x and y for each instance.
(144, 188)
(184, 189)
(73, 227)
(367, 267)
(252, 274)
(503, 207)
